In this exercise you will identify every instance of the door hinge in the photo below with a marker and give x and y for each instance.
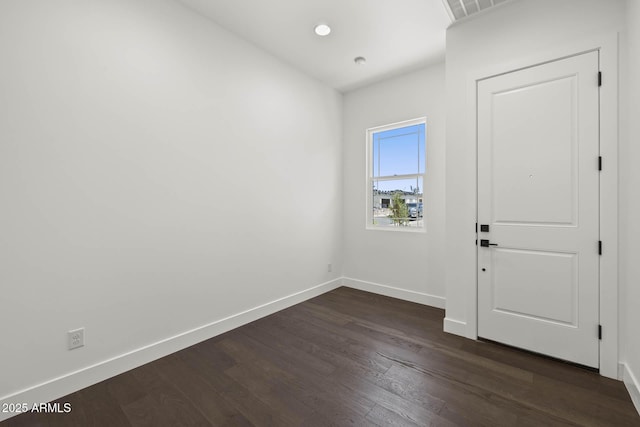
(476, 227)
(599, 78)
(599, 332)
(599, 247)
(600, 163)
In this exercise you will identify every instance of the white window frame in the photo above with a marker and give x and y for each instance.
(369, 176)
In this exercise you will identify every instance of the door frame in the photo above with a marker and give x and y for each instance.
(607, 45)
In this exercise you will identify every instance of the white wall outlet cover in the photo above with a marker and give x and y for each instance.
(75, 338)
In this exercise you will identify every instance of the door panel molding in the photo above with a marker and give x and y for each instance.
(519, 307)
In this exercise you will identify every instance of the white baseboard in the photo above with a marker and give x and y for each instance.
(390, 291)
(455, 327)
(85, 377)
(632, 384)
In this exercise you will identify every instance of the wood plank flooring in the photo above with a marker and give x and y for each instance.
(348, 358)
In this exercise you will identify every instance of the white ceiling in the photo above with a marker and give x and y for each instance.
(395, 36)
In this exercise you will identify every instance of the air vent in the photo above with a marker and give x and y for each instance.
(459, 9)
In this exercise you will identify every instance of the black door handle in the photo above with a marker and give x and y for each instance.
(485, 243)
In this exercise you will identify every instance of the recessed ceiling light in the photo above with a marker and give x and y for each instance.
(360, 60)
(322, 30)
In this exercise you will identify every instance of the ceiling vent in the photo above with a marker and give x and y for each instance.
(459, 9)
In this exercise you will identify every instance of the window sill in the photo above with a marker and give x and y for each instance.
(398, 229)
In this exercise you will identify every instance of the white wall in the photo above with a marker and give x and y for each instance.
(413, 263)
(630, 205)
(157, 174)
(512, 32)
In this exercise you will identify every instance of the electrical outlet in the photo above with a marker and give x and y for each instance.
(329, 268)
(75, 338)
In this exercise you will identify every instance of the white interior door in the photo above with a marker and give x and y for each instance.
(538, 193)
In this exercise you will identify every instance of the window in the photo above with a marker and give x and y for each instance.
(396, 162)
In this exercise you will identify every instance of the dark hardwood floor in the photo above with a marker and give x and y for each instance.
(348, 358)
